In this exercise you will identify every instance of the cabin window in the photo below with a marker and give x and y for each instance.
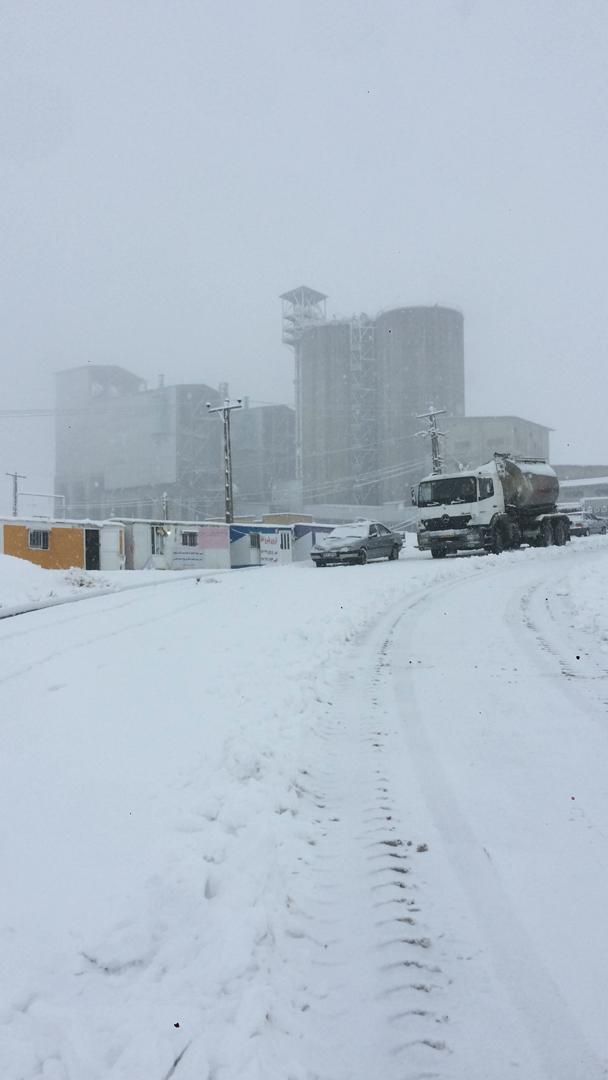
(486, 488)
(189, 539)
(39, 539)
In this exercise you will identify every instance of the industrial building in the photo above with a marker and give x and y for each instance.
(360, 384)
(125, 450)
(338, 413)
(471, 440)
(263, 455)
(584, 484)
(420, 365)
(122, 449)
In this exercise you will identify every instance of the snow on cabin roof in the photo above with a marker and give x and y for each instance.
(48, 523)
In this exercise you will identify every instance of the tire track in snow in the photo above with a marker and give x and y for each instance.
(559, 640)
(375, 993)
(558, 1045)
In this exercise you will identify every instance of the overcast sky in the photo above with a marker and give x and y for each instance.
(167, 169)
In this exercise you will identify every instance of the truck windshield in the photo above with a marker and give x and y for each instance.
(447, 490)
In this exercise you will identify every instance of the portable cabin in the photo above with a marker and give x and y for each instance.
(267, 544)
(147, 545)
(176, 545)
(206, 545)
(60, 545)
(256, 544)
(304, 537)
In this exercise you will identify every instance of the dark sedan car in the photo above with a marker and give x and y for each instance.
(357, 543)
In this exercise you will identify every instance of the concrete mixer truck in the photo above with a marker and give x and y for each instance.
(505, 503)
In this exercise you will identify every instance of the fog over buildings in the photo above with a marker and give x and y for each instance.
(354, 441)
(169, 171)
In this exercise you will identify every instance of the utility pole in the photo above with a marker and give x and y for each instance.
(16, 477)
(434, 434)
(225, 410)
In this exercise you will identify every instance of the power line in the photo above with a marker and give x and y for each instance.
(391, 472)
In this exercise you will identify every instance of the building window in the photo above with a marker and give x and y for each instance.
(39, 539)
(285, 542)
(254, 540)
(189, 539)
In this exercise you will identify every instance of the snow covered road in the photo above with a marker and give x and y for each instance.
(289, 825)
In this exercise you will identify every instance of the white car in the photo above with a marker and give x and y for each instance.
(583, 523)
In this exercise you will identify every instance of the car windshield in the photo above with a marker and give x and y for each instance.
(350, 532)
(447, 490)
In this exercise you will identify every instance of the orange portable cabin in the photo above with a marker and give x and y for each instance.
(59, 545)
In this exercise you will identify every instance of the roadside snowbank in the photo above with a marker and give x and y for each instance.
(22, 582)
(24, 585)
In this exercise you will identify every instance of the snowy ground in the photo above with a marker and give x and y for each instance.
(23, 585)
(290, 824)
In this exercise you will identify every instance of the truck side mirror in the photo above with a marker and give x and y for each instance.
(414, 497)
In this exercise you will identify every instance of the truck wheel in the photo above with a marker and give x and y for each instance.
(559, 533)
(319, 563)
(438, 552)
(546, 534)
(498, 541)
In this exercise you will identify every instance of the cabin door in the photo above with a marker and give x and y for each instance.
(91, 549)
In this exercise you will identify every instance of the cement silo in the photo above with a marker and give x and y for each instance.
(337, 395)
(420, 364)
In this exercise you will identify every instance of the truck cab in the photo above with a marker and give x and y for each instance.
(456, 511)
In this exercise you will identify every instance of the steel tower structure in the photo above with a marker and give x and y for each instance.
(301, 307)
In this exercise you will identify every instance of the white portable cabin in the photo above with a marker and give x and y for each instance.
(146, 545)
(304, 537)
(269, 544)
(212, 545)
(177, 545)
(257, 544)
(206, 545)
